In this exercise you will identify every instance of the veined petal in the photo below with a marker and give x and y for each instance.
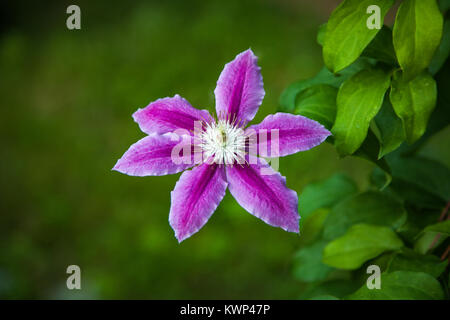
(263, 192)
(195, 197)
(239, 90)
(282, 134)
(157, 155)
(168, 115)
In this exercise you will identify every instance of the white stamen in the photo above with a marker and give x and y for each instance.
(224, 142)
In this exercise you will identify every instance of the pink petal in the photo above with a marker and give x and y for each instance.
(152, 156)
(282, 134)
(169, 114)
(264, 195)
(239, 90)
(195, 197)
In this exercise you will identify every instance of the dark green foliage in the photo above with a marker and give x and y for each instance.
(384, 111)
(371, 207)
(326, 194)
(402, 285)
(308, 265)
(359, 244)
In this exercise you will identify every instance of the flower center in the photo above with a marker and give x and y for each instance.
(223, 142)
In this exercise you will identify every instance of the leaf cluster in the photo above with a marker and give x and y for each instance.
(383, 93)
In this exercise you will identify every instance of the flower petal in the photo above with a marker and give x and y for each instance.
(195, 197)
(282, 134)
(152, 156)
(240, 90)
(169, 114)
(264, 194)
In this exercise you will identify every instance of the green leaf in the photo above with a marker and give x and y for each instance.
(418, 219)
(415, 195)
(383, 261)
(409, 260)
(288, 96)
(321, 34)
(361, 243)
(381, 47)
(417, 34)
(442, 51)
(370, 150)
(390, 129)
(325, 194)
(432, 236)
(429, 241)
(358, 101)
(308, 265)
(441, 227)
(311, 225)
(413, 102)
(440, 117)
(402, 285)
(421, 182)
(347, 33)
(429, 176)
(318, 103)
(370, 207)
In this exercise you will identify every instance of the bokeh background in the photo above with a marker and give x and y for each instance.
(66, 104)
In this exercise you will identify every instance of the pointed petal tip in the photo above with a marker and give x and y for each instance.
(326, 133)
(293, 227)
(120, 169)
(249, 51)
(240, 90)
(152, 156)
(117, 166)
(253, 57)
(135, 115)
(181, 238)
(296, 229)
(181, 235)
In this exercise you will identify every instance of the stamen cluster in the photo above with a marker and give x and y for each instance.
(223, 141)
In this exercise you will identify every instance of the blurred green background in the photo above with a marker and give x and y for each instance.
(67, 99)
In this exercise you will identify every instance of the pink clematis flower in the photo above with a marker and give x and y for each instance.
(224, 146)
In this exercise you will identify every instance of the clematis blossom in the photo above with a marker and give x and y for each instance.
(226, 147)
